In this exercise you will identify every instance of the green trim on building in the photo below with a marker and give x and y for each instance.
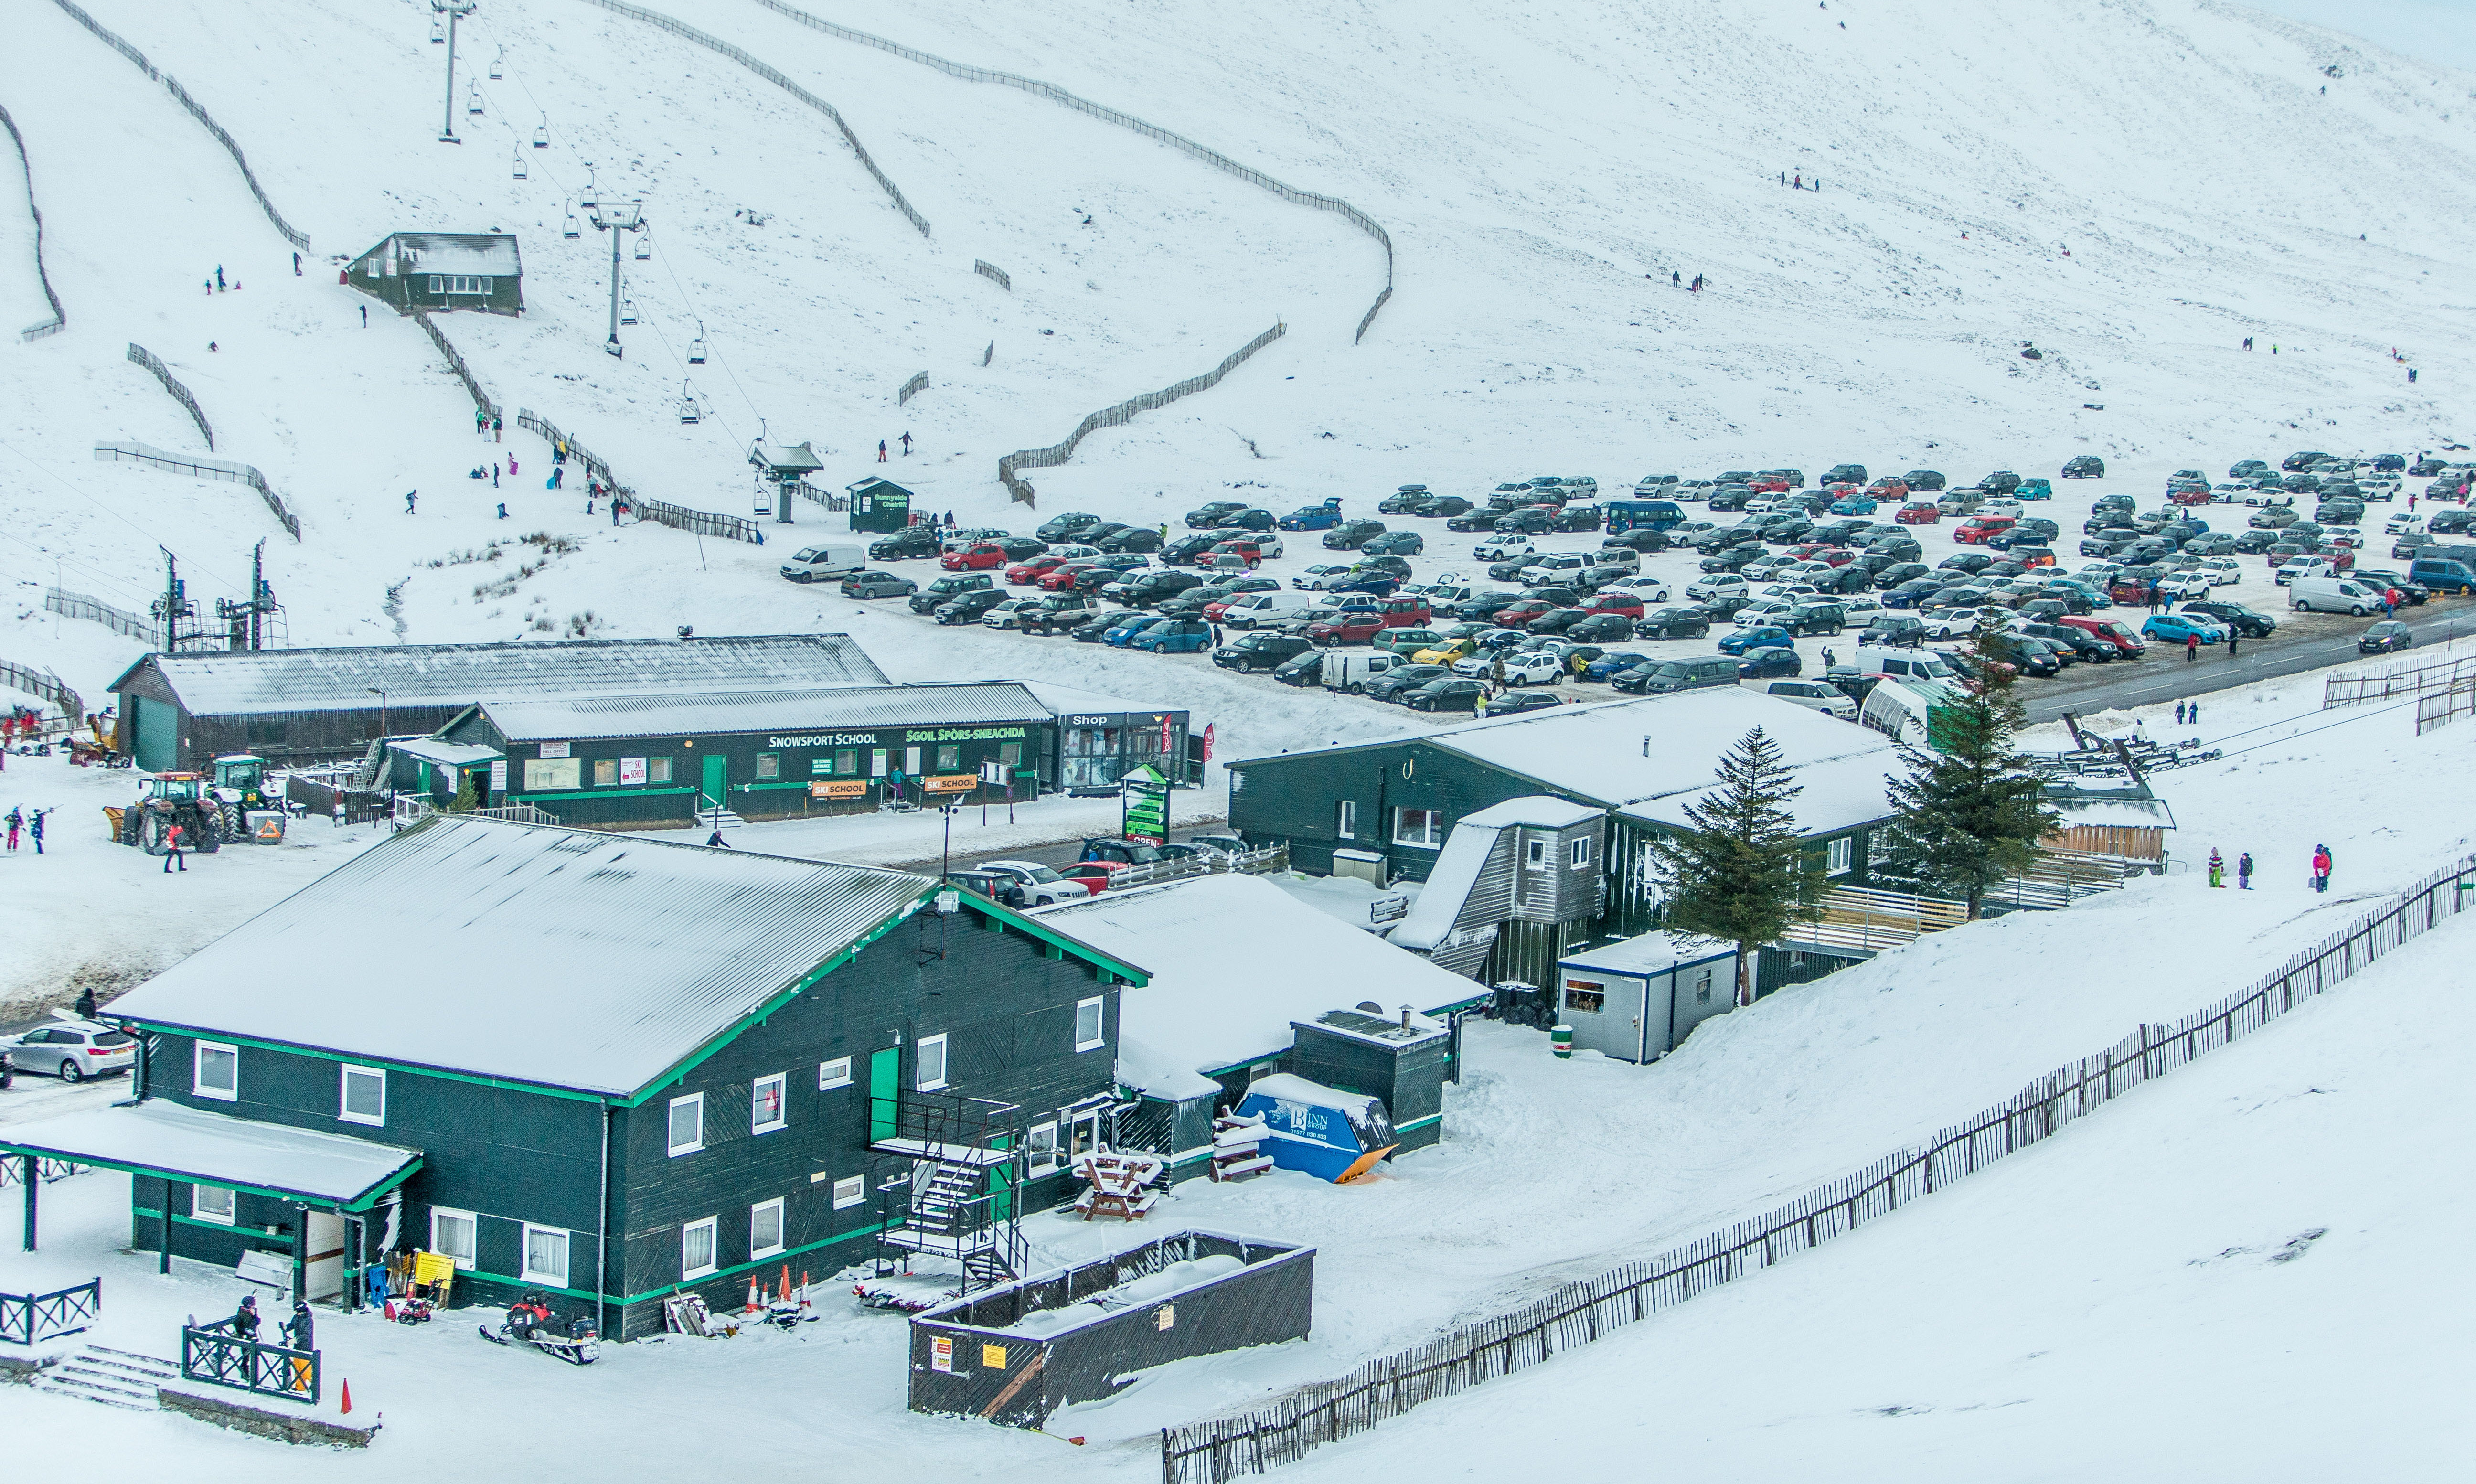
(321, 1053)
(354, 1207)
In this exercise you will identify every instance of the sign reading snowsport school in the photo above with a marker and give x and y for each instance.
(911, 737)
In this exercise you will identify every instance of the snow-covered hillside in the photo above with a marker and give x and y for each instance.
(1540, 174)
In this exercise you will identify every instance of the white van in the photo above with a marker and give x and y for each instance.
(2333, 595)
(1905, 664)
(827, 563)
(1248, 609)
(1350, 671)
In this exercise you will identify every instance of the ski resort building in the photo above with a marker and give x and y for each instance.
(301, 706)
(608, 1070)
(1531, 831)
(444, 270)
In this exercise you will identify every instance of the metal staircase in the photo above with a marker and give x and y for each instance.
(948, 1175)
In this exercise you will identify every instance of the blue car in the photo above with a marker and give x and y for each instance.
(1125, 633)
(2176, 628)
(1768, 663)
(2034, 489)
(1375, 585)
(1609, 665)
(1174, 636)
(1853, 504)
(1768, 637)
(1313, 517)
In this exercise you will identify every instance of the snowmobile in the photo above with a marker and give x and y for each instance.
(530, 1321)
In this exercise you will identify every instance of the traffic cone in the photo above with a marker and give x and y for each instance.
(756, 1298)
(348, 1398)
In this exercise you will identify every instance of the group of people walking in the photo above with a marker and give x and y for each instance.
(2320, 879)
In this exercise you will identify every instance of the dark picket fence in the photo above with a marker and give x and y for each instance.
(213, 1355)
(1223, 1448)
(29, 1318)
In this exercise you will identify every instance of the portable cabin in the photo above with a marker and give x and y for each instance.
(602, 1069)
(442, 270)
(878, 505)
(1638, 999)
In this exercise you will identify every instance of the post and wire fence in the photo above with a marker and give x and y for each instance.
(59, 319)
(180, 393)
(1124, 411)
(1223, 1448)
(42, 682)
(701, 523)
(200, 468)
(93, 610)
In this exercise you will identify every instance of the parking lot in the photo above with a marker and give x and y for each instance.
(1385, 606)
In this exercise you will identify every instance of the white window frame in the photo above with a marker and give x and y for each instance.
(921, 1081)
(1435, 827)
(850, 1191)
(1577, 853)
(782, 1228)
(472, 1230)
(1098, 1005)
(711, 1226)
(1041, 1144)
(782, 1081)
(1345, 820)
(198, 1087)
(1840, 855)
(833, 1073)
(344, 1095)
(527, 1272)
(1534, 853)
(671, 1122)
(223, 1218)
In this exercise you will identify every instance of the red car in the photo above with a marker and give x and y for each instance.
(981, 556)
(2200, 496)
(1038, 567)
(1615, 601)
(2126, 642)
(1360, 625)
(1519, 616)
(1888, 488)
(1093, 874)
(1978, 530)
(1060, 579)
(1767, 485)
(1236, 545)
(2131, 591)
(1812, 551)
(1920, 512)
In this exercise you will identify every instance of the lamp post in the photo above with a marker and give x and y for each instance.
(617, 220)
(455, 11)
(381, 693)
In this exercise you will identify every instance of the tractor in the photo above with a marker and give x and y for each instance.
(182, 798)
(240, 788)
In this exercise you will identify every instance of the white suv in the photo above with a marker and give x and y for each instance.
(1040, 884)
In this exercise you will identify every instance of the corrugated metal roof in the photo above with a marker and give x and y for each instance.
(562, 957)
(216, 1149)
(315, 680)
(796, 710)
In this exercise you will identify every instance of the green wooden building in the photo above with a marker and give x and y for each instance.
(444, 270)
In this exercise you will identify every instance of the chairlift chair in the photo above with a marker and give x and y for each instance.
(437, 34)
(689, 411)
(644, 247)
(627, 311)
(520, 164)
(473, 102)
(541, 136)
(696, 347)
(571, 230)
(498, 68)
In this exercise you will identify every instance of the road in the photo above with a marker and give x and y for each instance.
(2304, 641)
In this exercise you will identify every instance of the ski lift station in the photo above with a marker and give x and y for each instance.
(442, 270)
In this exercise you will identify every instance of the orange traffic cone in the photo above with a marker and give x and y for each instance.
(348, 1397)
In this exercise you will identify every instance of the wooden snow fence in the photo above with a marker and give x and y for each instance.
(1226, 1448)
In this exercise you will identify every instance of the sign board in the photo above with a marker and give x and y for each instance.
(498, 778)
(993, 773)
(950, 783)
(993, 1356)
(1148, 816)
(1207, 740)
(554, 750)
(941, 1354)
(631, 772)
(848, 788)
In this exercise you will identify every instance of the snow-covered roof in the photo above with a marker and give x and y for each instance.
(215, 1149)
(1652, 953)
(797, 458)
(1838, 793)
(226, 684)
(1617, 752)
(449, 754)
(1233, 961)
(559, 957)
(2129, 808)
(458, 251)
(969, 704)
(1067, 701)
(1539, 810)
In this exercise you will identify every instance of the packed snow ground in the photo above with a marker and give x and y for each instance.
(1555, 1171)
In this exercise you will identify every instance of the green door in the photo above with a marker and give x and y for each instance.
(885, 1091)
(717, 780)
(158, 735)
(1002, 1184)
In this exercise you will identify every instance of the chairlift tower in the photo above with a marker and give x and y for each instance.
(453, 10)
(618, 221)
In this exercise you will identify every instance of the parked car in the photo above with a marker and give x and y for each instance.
(1039, 884)
(1179, 636)
(1313, 517)
(2387, 637)
(1452, 693)
(946, 589)
(878, 584)
(911, 541)
(1144, 538)
(71, 1049)
(1150, 586)
(1206, 516)
(1258, 652)
(828, 562)
(2177, 627)
(1763, 663)
(1390, 684)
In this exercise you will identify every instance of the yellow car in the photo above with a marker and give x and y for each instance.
(1445, 653)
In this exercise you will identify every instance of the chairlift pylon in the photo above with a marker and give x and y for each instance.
(696, 347)
(627, 311)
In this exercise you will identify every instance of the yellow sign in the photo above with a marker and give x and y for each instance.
(941, 1354)
(951, 783)
(852, 789)
(993, 1356)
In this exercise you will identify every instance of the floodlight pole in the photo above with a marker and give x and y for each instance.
(455, 11)
(620, 220)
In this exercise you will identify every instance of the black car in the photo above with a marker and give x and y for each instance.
(1260, 652)
(1058, 527)
(1205, 517)
(1303, 669)
(1090, 630)
(1477, 518)
(2256, 541)
(1451, 693)
(1485, 606)
(1811, 618)
(2003, 481)
(1971, 562)
(1640, 540)
(1150, 586)
(1672, 623)
(2387, 637)
(1134, 539)
(2416, 593)
(947, 588)
(1515, 703)
(1596, 627)
(2303, 461)
(1735, 559)
(1390, 685)
(1251, 518)
(968, 608)
(1846, 474)
(1892, 630)
(1408, 500)
(1446, 505)
(1528, 521)
(911, 541)
(1790, 531)
(2085, 466)
(1189, 548)
(2080, 642)
(1396, 543)
(1730, 496)
(1676, 675)
(1904, 572)
(1352, 534)
(1844, 579)
(1770, 663)
(1922, 478)
(2247, 623)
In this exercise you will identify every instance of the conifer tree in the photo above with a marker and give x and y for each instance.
(1738, 874)
(1969, 812)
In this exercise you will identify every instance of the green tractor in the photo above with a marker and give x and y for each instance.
(240, 789)
(182, 798)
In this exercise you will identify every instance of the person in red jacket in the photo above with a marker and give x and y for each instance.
(2321, 868)
(172, 856)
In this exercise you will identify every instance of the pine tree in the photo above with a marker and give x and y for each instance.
(1739, 874)
(1971, 813)
(467, 797)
